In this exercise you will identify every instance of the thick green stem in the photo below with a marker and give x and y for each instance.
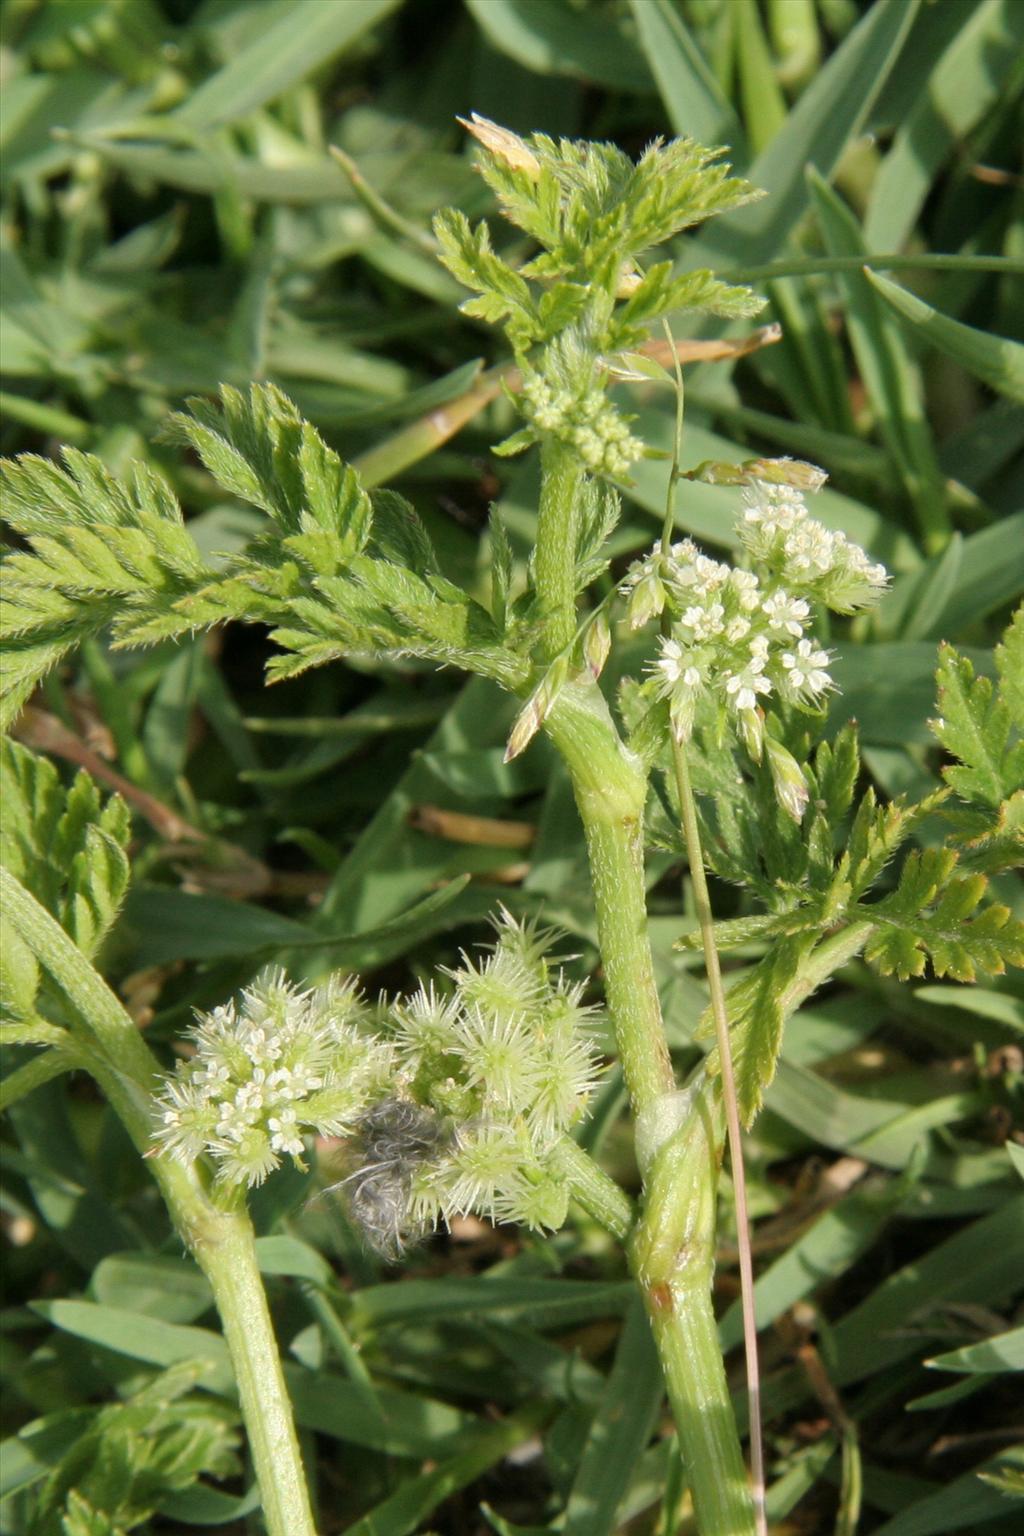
(222, 1241)
(224, 1247)
(555, 554)
(610, 790)
(673, 1252)
(673, 1259)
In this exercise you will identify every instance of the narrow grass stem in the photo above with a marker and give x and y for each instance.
(34, 1073)
(812, 266)
(713, 971)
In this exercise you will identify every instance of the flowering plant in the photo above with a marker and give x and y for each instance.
(465, 1096)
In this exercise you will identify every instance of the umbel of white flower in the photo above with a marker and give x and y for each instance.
(741, 637)
(454, 1098)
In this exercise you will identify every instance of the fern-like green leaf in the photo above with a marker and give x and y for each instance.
(65, 846)
(100, 552)
(757, 1013)
(259, 448)
(935, 915)
(1010, 669)
(659, 293)
(501, 293)
(976, 722)
(983, 725)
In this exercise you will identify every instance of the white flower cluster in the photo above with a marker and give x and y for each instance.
(590, 423)
(741, 636)
(283, 1064)
(734, 641)
(803, 554)
(454, 1100)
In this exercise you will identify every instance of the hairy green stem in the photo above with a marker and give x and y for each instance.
(673, 1258)
(555, 553)
(610, 789)
(591, 1187)
(673, 1251)
(224, 1247)
(222, 1241)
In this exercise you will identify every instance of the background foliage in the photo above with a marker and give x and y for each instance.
(173, 221)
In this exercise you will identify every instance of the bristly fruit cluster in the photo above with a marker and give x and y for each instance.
(566, 312)
(454, 1099)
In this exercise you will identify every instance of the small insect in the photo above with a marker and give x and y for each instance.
(396, 1138)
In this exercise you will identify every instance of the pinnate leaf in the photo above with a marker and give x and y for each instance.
(934, 915)
(757, 1012)
(65, 846)
(100, 552)
(469, 257)
(976, 724)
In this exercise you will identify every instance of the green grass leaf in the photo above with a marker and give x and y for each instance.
(300, 38)
(996, 360)
(827, 118)
(973, 72)
(693, 101)
(549, 40)
(1001, 1352)
(889, 372)
(621, 1428)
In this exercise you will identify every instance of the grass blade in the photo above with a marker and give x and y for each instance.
(824, 121)
(305, 36)
(968, 80)
(890, 376)
(693, 102)
(621, 1429)
(996, 360)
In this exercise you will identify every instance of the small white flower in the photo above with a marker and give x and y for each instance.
(737, 629)
(770, 510)
(212, 1076)
(684, 553)
(284, 1133)
(747, 589)
(805, 669)
(704, 623)
(671, 661)
(809, 551)
(678, 668)
(786, 613)
(744, 687)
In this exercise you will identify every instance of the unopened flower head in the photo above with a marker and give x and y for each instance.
(586, 421)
